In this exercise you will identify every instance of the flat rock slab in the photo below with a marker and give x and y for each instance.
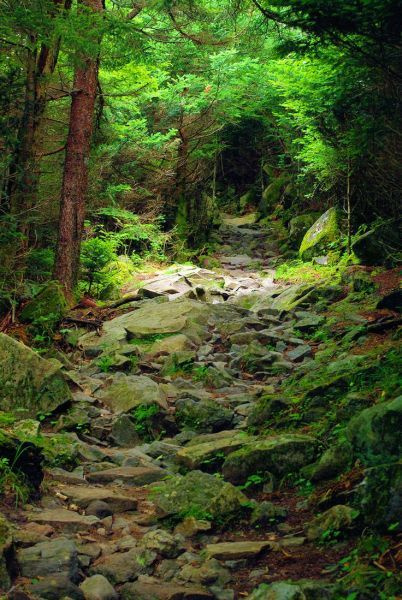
(299, 353)
(83, 496)
(136, 476)
(69, 520)
(46, 558)
(236, 550)
(162, 591)
(195, 456)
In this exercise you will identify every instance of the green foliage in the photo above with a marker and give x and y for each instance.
(145, 418)
(359, 570)
(200, 373)
(12, 480)
(96, 254)
(252, 481)
(105, 363)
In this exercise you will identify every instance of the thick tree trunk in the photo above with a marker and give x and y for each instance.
(75, 176)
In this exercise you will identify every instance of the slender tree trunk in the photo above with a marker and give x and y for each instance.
(75, 176)
(24, 172)
(348, 210)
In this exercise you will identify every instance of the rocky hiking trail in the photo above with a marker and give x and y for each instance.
(172, 491)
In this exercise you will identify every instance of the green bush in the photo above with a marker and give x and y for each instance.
(96, 254)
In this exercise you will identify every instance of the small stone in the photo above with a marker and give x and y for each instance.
(162, 542)
(98, 587)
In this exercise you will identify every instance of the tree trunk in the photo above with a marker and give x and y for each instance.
(75, 176)
(24, 172)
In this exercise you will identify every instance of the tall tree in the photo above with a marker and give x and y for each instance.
(41, 61)
(75, 176)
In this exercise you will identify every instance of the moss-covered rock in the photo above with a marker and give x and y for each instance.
(336, 518)
(28, 382)
(123, 392)
(333, 462)
(205, 416)
(298, 227)
(197, 494)
(46, 308)
(279, 455)
(379, 498)
(267, 408)
(375, 433)
(317, 239)
(272, 194)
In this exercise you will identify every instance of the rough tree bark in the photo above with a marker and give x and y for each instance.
(75, 176)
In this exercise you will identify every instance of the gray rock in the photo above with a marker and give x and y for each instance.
(297, 354)
(55, 587)
(47, 558)
(123, 432)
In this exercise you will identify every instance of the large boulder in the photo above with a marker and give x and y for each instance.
(154, 319)
(376, 246)
(197, 494)
(123, 392)
(28, 382)
(317, 239)
(279, 455)
(375, 432)
(46, 308)
(298, 227)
